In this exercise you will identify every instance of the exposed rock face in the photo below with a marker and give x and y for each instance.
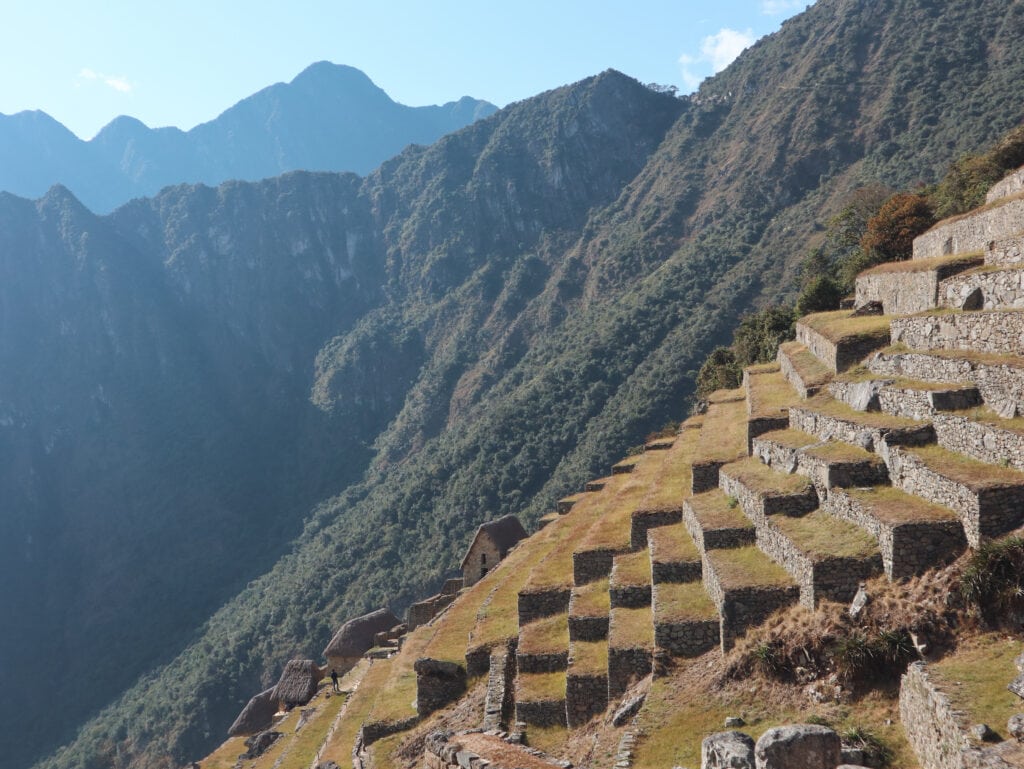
(805, 746)
(258, 744)
(727, 750)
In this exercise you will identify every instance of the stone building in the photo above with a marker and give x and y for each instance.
(355, 638)
(492, 542)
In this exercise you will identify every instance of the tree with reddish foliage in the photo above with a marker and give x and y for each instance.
(890, 233)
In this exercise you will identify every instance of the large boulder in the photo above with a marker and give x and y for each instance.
(727, 750)
(802, 746)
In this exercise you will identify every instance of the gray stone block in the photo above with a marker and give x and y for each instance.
(803, 746)
(727, 750)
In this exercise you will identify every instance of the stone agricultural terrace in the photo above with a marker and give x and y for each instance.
(877, 446)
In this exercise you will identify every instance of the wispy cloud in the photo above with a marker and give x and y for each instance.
(779, 7)
(717, 52)
(119, 83)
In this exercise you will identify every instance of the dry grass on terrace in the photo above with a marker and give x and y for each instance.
(692, 423)
(590, 600)
(628, 462)
(723, 437)
(974, 356)
(970, 472)
(769, 395)
(540, 687)
(632, 569)
(823, 403)
(545, 636)
(682, 602)
(763, 480)
(743, 567)
(672, 544)
(986, 416)
(612, 530)
(727, 396)
(926, 265)
(843, 326)
(674, 477)
(714, 510)
(820, 535)
(837, 451)
(555, 568)
(501, 754)
(975, 678)
(791, 439)
(631, 629)
(399, 691)
(892, 506)
(588, 658)
(812, 372)
(339, 749)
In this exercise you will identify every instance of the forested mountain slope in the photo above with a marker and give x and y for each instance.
(328, 118)
(498, 316)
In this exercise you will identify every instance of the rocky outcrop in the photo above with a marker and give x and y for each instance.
(805, 746)
(727, 750)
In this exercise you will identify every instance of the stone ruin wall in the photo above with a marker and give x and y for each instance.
(932, 726)
(976, 439)
(543, 603)
(909, 293)
(972, 232)
(1000, 289)
(1007, 186)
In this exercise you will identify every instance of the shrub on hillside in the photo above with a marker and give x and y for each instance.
(889, 236)
(759, 335)
(993, 582)
(719, 372)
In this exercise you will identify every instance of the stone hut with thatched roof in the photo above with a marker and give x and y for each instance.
(355, 638)
(297, 684)
(492, 542)
(257, 716)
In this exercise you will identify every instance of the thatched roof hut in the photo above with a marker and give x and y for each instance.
(298, 683)
(502, 533)
(256, 716)
(355, 637)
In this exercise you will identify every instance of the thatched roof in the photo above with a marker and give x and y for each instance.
(504, 533)
(356, 636)
(256, 716)
(298, 682)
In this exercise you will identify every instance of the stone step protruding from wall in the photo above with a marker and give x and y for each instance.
(841, 339)
(805, 373)
(988, 499)
(589, 608)
(769, 396)
(998, 377)
(499, 703)
(986, 288)
(586, 682)
(983, 436)
(913, 535)
(543, 645)
(972, 231)
(674, 557)
(995, 331)
(713, 521)
(630, 583)
(630, 648)
(686, 622)
(746, 586)
(763, 492)
(829, 420)
(825, 463)
(905, 288)
(723, 438)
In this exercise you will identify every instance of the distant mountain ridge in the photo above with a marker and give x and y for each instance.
(329, 118)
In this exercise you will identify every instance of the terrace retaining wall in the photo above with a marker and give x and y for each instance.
(995, 332)
(543, 603)
(996, 290)
(984, 442)
(585, 697)
(626, 665)
(971, 232)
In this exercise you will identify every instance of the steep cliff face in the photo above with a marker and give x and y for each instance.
(486, 322)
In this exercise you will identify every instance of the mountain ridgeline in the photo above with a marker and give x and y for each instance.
(233, 417)
(329, 118)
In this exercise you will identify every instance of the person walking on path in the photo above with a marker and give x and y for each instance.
(334, 680)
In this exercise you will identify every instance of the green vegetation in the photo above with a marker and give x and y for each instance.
(793, 439)
(770, 395)
(823, 403)
(927, 265)
(591, 600)
(672, 544)
(993, 581)
(682, 602)
(723, 437)
(812, 371)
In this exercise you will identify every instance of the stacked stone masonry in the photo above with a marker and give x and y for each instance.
(985, 290)
(985, 512)
(984, 442)
(828, 428)
(714, 539)
(542, 663)
(500, 700)
(541, 712)
(741, 608)
(592, 565)
(542, 603)
(906, 293)
(1011, 184)
(836, 357)
(972, 232)
(1006, 251)
(910, 403)
(1001, 383)
(585, 697)
(645, 520)
(625, 666)
(823, 473)
(1000, 332)
(932, 726)
(792, 374)
(908, 548)
(629, 596)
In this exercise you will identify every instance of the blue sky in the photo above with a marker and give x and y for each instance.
(183, 62)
